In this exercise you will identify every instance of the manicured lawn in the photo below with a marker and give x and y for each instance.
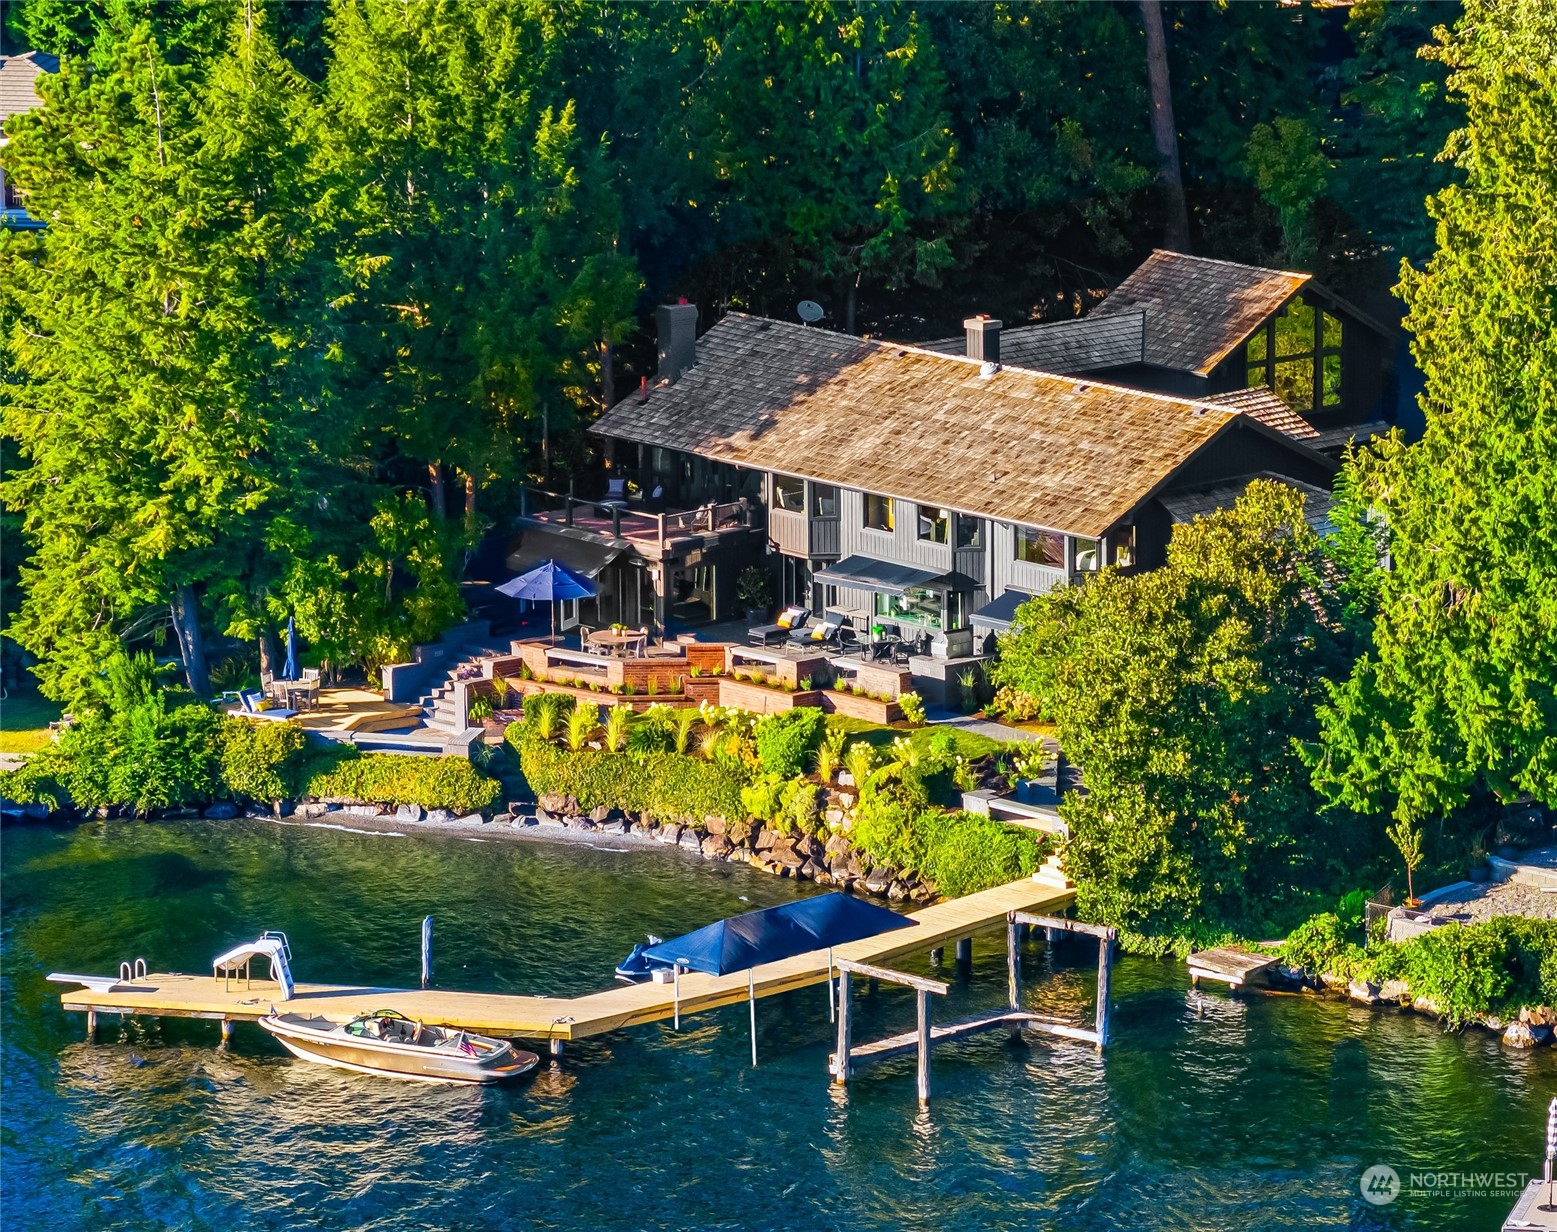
(24, 722)
(964, 743)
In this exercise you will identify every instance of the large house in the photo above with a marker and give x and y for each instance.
(18, 93)
(902, 484)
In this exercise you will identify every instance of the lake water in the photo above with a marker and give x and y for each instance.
(1207, 1113)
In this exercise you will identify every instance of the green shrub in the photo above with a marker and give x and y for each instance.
(480, 707)
(1322, 945)
(1494, 966)
(913, 708)
(764, 800)
(786, 741)
(401, 778)
(968, 852)
(261, 761)
(146, 757)
(660, 784)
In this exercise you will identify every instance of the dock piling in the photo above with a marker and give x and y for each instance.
(226, 1031)
(965, 950)
(922, 995)
(751, 1000)
(556, 1047)
(1105, 962)
(427, 951)
(91, 1033)
(841, 1056)
(936, 955)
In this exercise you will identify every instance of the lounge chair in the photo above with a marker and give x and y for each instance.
(250, 703)
(790, 619)
(828, 633)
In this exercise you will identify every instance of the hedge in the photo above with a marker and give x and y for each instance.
(664, 785)
(786, 740)
(403, 778)
(960, 852)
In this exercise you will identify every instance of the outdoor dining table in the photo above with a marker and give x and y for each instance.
(629, 642)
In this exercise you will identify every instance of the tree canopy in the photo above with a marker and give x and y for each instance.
(1460, 688)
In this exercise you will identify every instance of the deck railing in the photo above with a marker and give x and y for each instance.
(634, 523)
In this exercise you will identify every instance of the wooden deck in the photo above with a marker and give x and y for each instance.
(1231, 967)
(563, 1018)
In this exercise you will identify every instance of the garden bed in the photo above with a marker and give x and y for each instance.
(870, 709)
(764, 698)
(602, 697)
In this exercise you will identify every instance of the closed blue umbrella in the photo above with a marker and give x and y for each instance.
(549, 581)
(289, 668)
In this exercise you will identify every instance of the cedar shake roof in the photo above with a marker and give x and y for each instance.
(1085, 344)
(1028, 447)
(1198, 310)
(1261, 403)
(17, 75)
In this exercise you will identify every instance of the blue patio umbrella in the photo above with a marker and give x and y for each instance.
(289, 668)
(552, 581)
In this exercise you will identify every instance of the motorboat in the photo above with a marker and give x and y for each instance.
(388, 1043)
(635, 968)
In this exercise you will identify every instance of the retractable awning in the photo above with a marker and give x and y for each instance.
(999, 613)
(866, 573)
(534, 546)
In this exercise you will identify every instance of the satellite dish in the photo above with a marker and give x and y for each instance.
(810, 311)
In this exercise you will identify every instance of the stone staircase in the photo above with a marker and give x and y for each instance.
(438, 705)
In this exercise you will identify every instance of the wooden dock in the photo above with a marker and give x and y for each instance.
(1231, 967)
(569, 1018)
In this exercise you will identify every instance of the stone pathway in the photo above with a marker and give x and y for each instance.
(940, 717)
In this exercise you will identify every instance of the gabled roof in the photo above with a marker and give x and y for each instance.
(1187, 506)
(1261, 403)
(1197, 309)
(18, 75)
(1027, 447)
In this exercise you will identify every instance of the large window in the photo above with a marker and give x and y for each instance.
(789, 494)
(1298, 355)
(824, 500)
(1040, 547)
(916, 606)
(878, 512)
(968, 532)
(934, 524)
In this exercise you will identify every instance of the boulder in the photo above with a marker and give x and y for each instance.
(691, 840)
(559, 804)
(824, 878)
(472, 819)
(1426, 1005)
(839, 844)
(784, 849)
(601, 814)
(502, 819)
(409, 812)
(766, 838)
(581, 823)
(1333, 981)
(809, 847)
(517, 807)
(1523, 1035)
(812, 871)
(1539, 1016)
(878, 880)
(363, 810)
(1364, 991)
(222, 810)
(549, 821)
(314, 810)
(717, 846)
(716, 825)
(844, 799)
(437, 815)
(670, 834)
(833, 817)
(897, 892)
(1396, 991)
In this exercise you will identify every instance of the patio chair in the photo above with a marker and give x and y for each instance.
(910, 647)
(789, 619)
(250, 703)
(827, 633)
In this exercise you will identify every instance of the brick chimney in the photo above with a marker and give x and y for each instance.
(676, 328)
(983, 338)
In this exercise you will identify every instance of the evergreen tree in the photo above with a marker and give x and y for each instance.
(1462, 685)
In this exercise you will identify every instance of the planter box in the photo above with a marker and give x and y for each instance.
(760, 699)
(702, 689)
(638, 701)
(867, 708)
(876, 677)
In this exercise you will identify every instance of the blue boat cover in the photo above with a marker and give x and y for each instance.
(775, 933)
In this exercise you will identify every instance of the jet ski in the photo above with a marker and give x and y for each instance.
(636, 967)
